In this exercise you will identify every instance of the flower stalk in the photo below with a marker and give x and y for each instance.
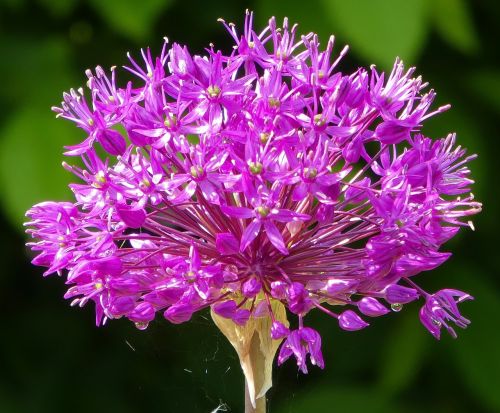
(260, 403)
(256, 351)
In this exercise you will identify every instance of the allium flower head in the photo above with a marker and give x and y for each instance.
(235, 181)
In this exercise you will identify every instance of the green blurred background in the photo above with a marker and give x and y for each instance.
(53, 358)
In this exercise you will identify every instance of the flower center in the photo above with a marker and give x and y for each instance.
(318, 120)
(310, 173)
(263, 211)
(196, 171)
(99, 180)
(213, 91)
(274, 103)
(190, 276)
(170, 121)
(264, 138)
(145, 184)
(255, 168)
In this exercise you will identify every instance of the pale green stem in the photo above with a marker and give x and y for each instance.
(260, 403)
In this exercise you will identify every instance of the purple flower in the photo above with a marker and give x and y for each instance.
(300, 343)
(441, 308)
(234, 182)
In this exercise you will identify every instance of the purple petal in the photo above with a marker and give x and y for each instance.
(125, 286)
(132, 217)
(237, 212)
(275, 237)
(393, 131)
(229, 309)
(186, 194)
(336, 286)
(194, 256)
(137, 138)
(143, 313)
(300, 191)
(313, 339)
(83, 147)
(432, 324)
(109, 265)
(250, 233)
(241, 316)
(251, 287)
(278, 330)
(175, 181)
(371, 307)
(179, 313)
(225, 309)
(350, 321)
(397, 294)
(121, 306)
(202, 288)
(278, 290)
(325, 213)
(298, 298)
(112, 141)
(209, 191)
(226, 243)
(286, 215)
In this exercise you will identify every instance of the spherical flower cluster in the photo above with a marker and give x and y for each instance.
(233, 181)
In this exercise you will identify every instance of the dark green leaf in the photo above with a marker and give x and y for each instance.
(59, 8)
(486, 85)
(132, 18)
(380, 30)
(452, 21)
(402, 354)
(30, 161)
(310, 19)
(38, 71)
(477, 352)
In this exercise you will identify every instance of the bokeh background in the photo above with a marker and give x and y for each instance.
(52, 357)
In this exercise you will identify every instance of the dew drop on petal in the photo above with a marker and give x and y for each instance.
(396, 307)
(141, 325)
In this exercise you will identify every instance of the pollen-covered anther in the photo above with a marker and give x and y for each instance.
(319, 120)
(213, 91)
(190, 276)
(310, 173)
(170, 121)
(263, 211)
(274, 103)
(196, 171)
(99, 180)
(264, 137)
(255, 168)
(145, 183)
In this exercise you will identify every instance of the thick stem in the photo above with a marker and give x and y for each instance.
(260, 403)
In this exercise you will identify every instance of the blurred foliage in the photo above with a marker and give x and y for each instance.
(53, 359)
(385, 28)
